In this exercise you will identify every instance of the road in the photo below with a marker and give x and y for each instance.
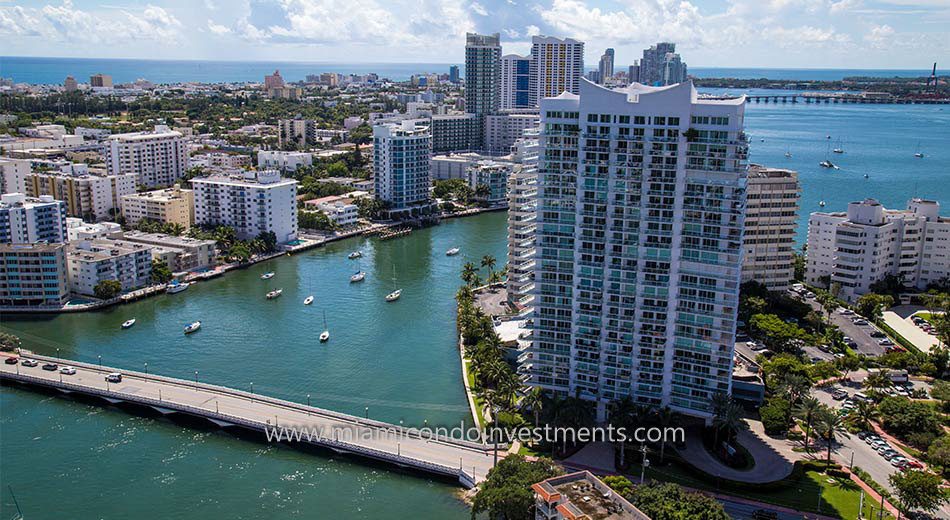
(226, 406)
(861, 334)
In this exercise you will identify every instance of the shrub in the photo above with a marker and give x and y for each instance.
(773, 416)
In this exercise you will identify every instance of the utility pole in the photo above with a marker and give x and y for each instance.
(644, 464)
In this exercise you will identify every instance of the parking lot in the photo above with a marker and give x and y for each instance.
(860, 334)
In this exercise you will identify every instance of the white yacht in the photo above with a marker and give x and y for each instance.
(354, 255)
(268, 275)
(128, 323)
(452, 252)
(176, 287)
(325, 335)
(192, 327)
(308, 300)
(358, 276)
(274, 294)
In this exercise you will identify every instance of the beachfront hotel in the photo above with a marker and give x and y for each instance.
(158, 157)
(252, 202)
(641, 197)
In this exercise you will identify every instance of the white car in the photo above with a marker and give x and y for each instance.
(29, 362)
(69, 371)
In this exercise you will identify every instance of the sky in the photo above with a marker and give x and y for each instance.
(872, 34)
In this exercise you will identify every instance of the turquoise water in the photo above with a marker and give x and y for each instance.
(398, 359)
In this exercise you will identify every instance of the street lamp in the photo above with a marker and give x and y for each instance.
(252, 387)
(100, 362)
(196, 380)
(366, 412)
(643, 466)
(146, 368)
(308, 404)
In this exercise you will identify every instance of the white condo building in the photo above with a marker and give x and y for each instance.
(158, 157)
(856, 248)
(557, 65)
(638, 246)
(401, 155)
(13, 173)
(89, 193)
(27, 220)
(522, 224)
(283, 161)
(252, 202)
(93, 261)
(771, 220)
(515, 81)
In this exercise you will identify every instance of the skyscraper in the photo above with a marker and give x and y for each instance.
(641, 198)
(770, 225)
(482, 73)
(606, 67)
(633, 73)
(661, 65)
(557, 65)
(454, 74)
(401, 154)
(515, 81)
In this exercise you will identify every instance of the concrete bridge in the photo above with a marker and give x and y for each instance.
(421, 450)
(832, 98)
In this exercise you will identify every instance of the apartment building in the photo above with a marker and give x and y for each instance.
(522, 224)
(93, 261)
(33, 275)
(401, 165)
(502, 130)
(455, 132)
(515, 81)
(13, 173)
(852, 250)
(770, 223)
(251, 202)
(27, 220)
(482, 73)
(178, 252)
(641, 198)
(89, 193)
(489, 182)
(557, 65)
(158, 157)
(77, 230)
(169, 206)
(283, 161)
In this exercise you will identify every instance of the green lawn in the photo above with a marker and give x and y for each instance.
(479, 405)
(839, 497)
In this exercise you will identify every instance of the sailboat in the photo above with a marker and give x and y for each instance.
(838, 148)
(359, 275)
(827, 162)
(274, 294)
(788, 153)
(918, 154)
(393, 296)
(325, 335)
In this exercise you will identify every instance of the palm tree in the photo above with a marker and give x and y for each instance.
(728, 419)
(534, 400)
(864, 413)
(469, 273)
(623, 414)
(793, 387)
(807, 411)
(831, 424)
(664, 416)
(878, 380)
(489, 262)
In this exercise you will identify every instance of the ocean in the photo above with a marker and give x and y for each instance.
(54, 70)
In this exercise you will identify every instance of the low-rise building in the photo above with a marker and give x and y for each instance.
(180, 253)
(253, 202)
(225, 160)
(33, 275)
(338, 208)
(76, 229)
(581, 496)
(455, 165)
(26, 220)
(169, 206)
(283, 161)
(489, 182)
(93, 261)
(13, 173)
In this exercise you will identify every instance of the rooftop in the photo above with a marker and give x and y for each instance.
(581, 495)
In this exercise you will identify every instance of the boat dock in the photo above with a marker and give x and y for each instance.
(467, 463)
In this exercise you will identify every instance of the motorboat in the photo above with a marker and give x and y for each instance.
(919, 155)
(325, 335)
(828, 164)
(268, 275)
(192, 327)
(393, 296)
(452, 252)
(308, 300)
(788, 155)
(274, 294)
(128, 323)
(838, 150)
(358, 276)
(176, 287)
(821, 203)
(354, 255)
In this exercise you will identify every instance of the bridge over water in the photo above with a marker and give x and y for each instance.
(421, 450)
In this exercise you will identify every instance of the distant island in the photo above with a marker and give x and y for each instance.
(919, 87)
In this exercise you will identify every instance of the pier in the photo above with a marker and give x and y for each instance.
(844, 98)
(466, 462)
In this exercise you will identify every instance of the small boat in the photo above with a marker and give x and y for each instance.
(274, 294)
(761, 140)
(325, 335)
(358, 276)
(827, 137)
(838, 150)
(788, 155)
(452, 252)
(308, 300)
(176, 287)
(828, 164)
(268, 275)
(354, 255)
(192, 327)
(393, 296)
(918, 154)
(128, 323)
(866, 176)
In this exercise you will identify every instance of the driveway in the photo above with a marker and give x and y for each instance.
(773, 457)
(903, 326)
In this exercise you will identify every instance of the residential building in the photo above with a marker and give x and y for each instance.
(522, 223)
(581, 496)
(850, 251)
(70, 85)
(27, 220)
(93, 261)
(605, 68)
(339, 209)
(251, 202)
(220, 160)
(100, 81)
(89, 193)
(633, 73)
(638, 246)
(455, 132)
(454, 74)
(33, 275)
(273, 81)
(661, 66)
(515, 81)
(453, 165)
(557, 65)
(771, 220)
(502, 130)
(482, 73)
(180, 253)
(401, 165)
(77, 230)
(283, 161)
(13, 173)
(489, 182)
(158, 157)
(169, 206)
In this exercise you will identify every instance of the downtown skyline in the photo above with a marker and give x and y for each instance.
(714, 33)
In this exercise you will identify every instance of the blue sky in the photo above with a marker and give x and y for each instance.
(709, 33)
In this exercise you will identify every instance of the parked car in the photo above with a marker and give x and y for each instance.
(876, 334)
(29, 362)
(846, 312)
(913, 464)
(838, 395)
(860, 321)
(886, 342)
(863, 435)
(114, 377)
(898, 461)
(69, 371)
(51, 367)
(11, 360)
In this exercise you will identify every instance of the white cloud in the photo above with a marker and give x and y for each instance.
(532, 30)
(804, 36)
(65, 23)
(844, 5)
(879, 35)
(218, 28)
(478, 9)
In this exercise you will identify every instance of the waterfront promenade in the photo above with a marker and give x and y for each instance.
(468, 462)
